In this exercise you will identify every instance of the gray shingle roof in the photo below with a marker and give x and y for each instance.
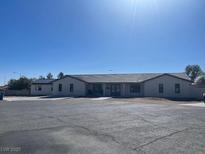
(42, 81)
(125, 78)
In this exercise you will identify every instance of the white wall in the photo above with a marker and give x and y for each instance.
(79, 87)
(151, 88)
(45, 89)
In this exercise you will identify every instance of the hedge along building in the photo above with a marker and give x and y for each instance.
(167, 85)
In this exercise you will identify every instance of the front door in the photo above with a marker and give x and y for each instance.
(115, 90)
(97, 90)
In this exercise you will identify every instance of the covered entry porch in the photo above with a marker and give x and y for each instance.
(115, 89)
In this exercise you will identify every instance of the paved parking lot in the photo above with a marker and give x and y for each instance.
(104, 125)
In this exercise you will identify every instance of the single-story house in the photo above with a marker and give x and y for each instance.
(167, 85)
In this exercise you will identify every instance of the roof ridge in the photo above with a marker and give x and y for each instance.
(129, 77)
(123, 74)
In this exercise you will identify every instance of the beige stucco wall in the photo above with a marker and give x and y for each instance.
(151, 88)
(79, 87)
(46, 89)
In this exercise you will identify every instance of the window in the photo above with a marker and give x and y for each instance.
(51, 88)
(161, 88)
(135, 88)
(71, 88)
(39, 88)
(60, 87)
(177, 88)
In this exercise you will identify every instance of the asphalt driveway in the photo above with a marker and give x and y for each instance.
(86, 125)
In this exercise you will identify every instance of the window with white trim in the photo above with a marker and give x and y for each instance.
(161, 88)
(177, 88)
(71, 87)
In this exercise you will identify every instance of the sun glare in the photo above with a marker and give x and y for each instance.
(145, 4)
(136, 9)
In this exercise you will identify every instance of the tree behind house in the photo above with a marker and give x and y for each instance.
(19, 84)
(193, 71)
(60, 75)
(49, 76)
(41, 77)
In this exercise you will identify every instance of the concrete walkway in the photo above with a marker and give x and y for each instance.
(195, 104)
(37, 98)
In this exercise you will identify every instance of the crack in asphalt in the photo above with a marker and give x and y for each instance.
(101, 136)
(92, 132)
(57, 118)
(97, 134)
(28, 130)
(160, 138)
(147, 121)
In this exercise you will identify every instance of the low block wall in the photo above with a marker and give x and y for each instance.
(17, 92)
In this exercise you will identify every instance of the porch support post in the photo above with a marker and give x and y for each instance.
(123, 90)
(104, 88)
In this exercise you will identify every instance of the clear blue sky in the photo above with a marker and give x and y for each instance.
(95, 36)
